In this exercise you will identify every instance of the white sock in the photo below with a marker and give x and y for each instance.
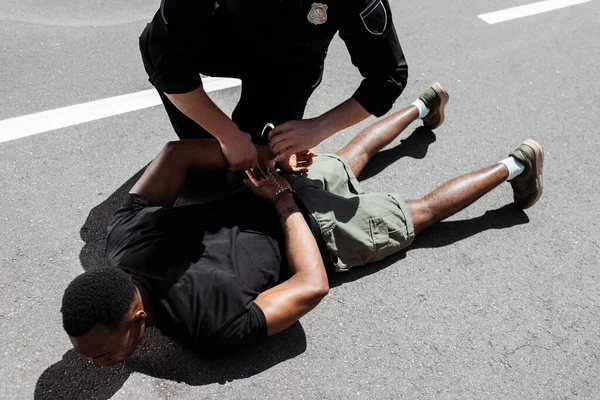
(423, 110)
(515, 168)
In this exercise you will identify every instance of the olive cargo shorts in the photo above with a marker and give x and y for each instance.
(358, 228)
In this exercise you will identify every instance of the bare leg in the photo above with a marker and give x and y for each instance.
(367, 143)
(454, 196)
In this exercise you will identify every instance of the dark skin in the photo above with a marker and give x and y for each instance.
(108, 345)
(446, 200)
(285, 303)
(289, 301)
(286, 139)
(282, 305)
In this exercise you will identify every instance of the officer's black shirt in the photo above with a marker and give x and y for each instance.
(203, 265)
(188, 36)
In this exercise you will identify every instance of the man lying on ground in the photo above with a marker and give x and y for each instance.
(236, 270)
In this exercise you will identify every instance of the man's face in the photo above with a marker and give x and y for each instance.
(109, 345)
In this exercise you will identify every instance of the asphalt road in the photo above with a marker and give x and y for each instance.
(494, 303)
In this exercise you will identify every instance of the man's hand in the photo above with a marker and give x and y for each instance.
(294, 137)
(239, 151)
(298, 162)
(261, 184)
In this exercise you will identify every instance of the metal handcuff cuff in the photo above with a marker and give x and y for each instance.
(271, 165)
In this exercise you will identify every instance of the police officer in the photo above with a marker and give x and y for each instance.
(277, 48)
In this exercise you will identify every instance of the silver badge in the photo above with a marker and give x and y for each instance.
(317, 14)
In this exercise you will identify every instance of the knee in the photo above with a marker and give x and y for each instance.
(353, 153)
(404, 75)
(355, 156)
(400, 77)
(421, 213)
(361, 154)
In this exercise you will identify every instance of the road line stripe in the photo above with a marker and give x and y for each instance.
(527, 10)
(32, 124)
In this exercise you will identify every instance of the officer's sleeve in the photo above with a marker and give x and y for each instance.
(172, 68)
(372, 42)
(167, 47)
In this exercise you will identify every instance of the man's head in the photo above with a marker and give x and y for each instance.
(103, 315)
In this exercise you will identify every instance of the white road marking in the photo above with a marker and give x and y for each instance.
(32, 124)
(527, 10)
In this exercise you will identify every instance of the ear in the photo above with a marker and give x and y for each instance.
(139, 316)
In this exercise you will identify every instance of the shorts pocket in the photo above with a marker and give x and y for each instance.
(375, 18)
(380, 234)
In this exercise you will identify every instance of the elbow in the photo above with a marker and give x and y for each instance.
(320, 285)
(312, 283)
(322, 291)
(317, 292)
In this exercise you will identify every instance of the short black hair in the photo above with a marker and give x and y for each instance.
(99, 296)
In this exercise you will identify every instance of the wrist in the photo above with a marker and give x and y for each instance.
(286, 207)
(324, 126)
(283, 194)
(264, 152)
(231, 133)
(284, 200)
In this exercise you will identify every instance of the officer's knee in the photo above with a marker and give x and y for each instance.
(403, 76)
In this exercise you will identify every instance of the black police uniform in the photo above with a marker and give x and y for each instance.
(278, 55)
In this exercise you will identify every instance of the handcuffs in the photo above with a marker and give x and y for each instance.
(271, 165)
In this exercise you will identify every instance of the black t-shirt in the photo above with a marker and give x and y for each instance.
(203, 265)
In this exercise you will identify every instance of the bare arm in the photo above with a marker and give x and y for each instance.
(200, 108)
(287, 302)
(294, 136)
(236, 145)
(345, 115)
(163, 179)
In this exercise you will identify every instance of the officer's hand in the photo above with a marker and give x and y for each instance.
(297, 162)
(239, 152)
(294, 137)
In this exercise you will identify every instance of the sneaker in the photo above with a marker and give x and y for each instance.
(528, 186)
(435, 98)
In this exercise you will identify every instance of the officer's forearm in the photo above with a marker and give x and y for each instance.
(341, 117)
(197, 106)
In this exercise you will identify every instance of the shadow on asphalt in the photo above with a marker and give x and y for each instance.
(414, 146)
(93, 232)
(442, 234)
(74, 377)
(448, 232)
